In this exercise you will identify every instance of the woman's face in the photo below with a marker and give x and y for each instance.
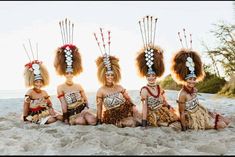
(109, 78)
(151, 78)
(38, 84)
(69, 76)
(191, 82)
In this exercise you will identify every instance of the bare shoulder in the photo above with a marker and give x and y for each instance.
(143, 91)
(44, 93)
(100, 90)
(120, 87)
(29, 92)
(79, 86)
(182, 95)
(60, 88)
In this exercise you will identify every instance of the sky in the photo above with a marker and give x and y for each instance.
(39, 22)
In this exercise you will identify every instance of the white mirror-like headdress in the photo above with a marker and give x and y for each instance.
(189, 62)
(66, 29)
(33, 65)
(148, 30)
(105, 54)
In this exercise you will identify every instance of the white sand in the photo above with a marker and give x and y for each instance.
(60, 139)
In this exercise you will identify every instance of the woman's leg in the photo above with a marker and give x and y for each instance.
(80, 120)
(90, 118)
(51, 120)
(137, 115)
(226, 120)
(127, 122)
(59, 117)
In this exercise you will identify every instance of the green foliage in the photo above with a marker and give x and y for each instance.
(229, 88)
(169, 83)
(223, 53)
(211, 84)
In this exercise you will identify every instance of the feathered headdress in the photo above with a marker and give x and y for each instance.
(150, 58)
(186, 62)
(106, 64)
(68, 58)
(34, 69)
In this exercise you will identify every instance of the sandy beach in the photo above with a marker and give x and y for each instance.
(17, 138)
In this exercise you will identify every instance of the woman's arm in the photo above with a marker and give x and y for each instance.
(143, 95)
(125, 94)
(82, 92)
(63, 104)
(26, 107)
(181, 103)
(99, 105)
(49, 104)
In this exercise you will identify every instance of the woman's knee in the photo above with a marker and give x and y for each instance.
(51, 120)
(80, 121)
(91, 119)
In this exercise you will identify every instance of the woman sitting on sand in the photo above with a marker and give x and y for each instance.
(114, 106)
(72, 96)
(187, 69)
(155, 109)
(37, 106)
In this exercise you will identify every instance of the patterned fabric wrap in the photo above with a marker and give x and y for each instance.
(117, 108)
(157, 113)
(75, 105)
(38, 111)
(197, 116)
(161, 115)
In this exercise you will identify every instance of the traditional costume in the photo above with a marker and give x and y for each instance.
(68, 60)
(187, 64)
(150, 61)
(115, 106)
(38, 108)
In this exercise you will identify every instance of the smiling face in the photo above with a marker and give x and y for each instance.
(38, 84)
(151, 78)
(109, 78)
(191, 82)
